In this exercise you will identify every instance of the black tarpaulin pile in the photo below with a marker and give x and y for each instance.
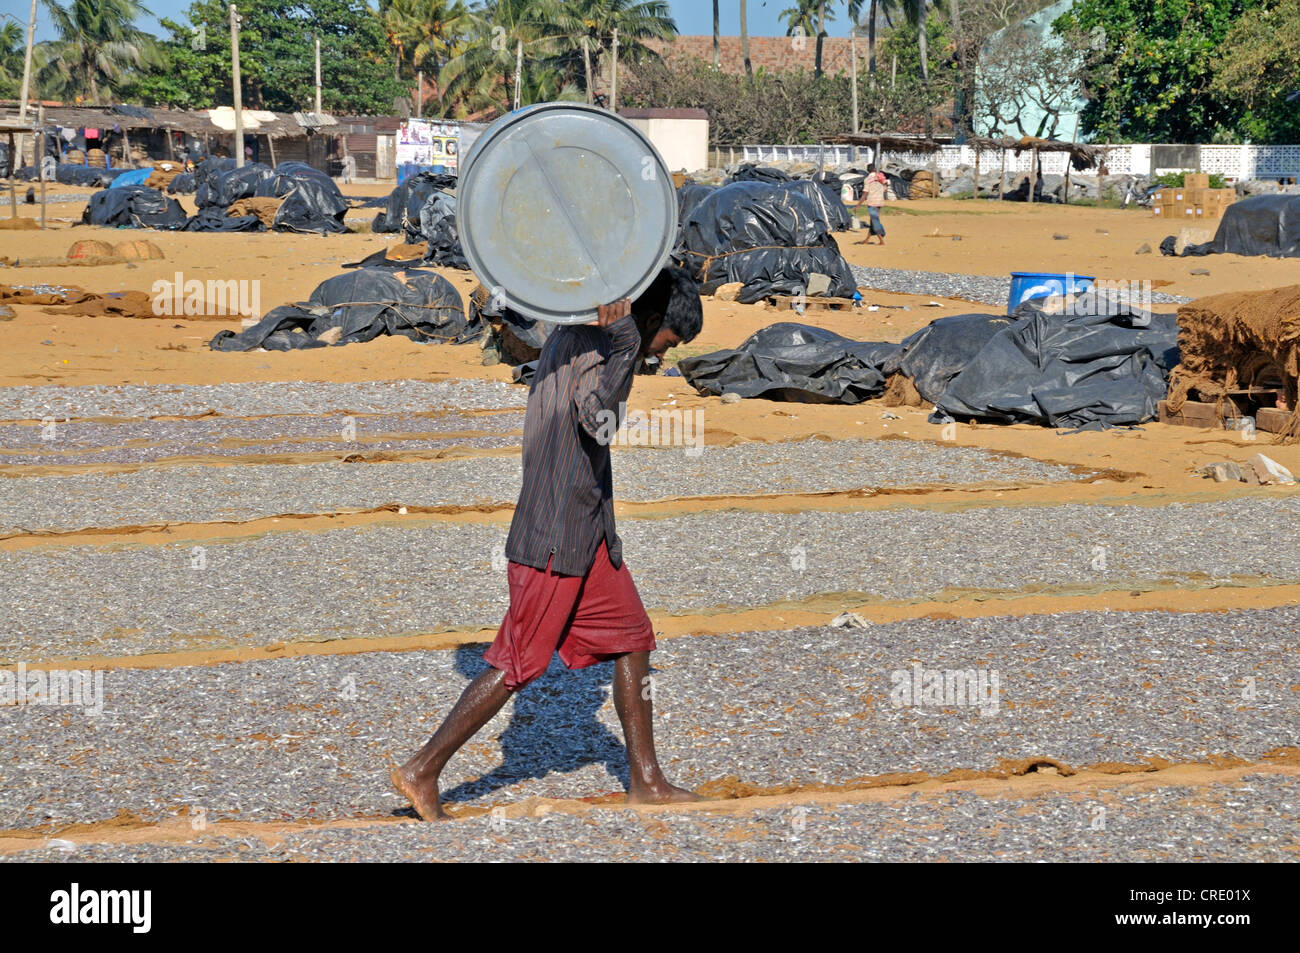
(794, 362)
(69, 173)
(823, 190)
(770, 238)
(1261, 225)
(220, 184)
(402, 207)
(930, 358)
(312, 202)
(438, 229)
(1102, 363)
(133, 206)
(364, 304)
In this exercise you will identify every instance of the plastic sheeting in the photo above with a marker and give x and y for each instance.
(216, 220)
(402, 208)
(312, 202)
(133, 206)
(365, 303)
(131, 177)
(438, 229)
(68, 173)
(1262, 225)
(936, 354)
(794, 362)
(770, 238)
(823, 190)
(1103, 364)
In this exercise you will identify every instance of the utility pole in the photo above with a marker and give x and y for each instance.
(519, 73)
(853, 59)
(16, 159)
(419, 93)
(234, 80)
(586, 66)
(318, 110)
(613, 88)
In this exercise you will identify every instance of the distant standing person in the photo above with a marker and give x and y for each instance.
(873, 193)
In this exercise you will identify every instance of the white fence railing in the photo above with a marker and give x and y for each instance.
(1233, 162)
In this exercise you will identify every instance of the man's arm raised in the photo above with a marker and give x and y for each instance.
(598, 387)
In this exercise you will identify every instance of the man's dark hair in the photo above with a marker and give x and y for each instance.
(871, 167)
(672, 301)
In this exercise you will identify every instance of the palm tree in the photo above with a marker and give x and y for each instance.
(425, 32)
(799, 18)
(98, 46)
(481, 75)
(12, 37)
(916, 13)
(744, 40)
(877, 7)
(808, 18)
(594, 21)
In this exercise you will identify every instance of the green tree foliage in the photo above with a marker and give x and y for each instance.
(424, 34)
(777, 107)
(1260, 67)
(13, 39)
(97, 49)
(481, 79)
(277, 58)
(1152, 80)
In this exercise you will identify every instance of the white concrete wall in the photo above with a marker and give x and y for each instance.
(684, 143)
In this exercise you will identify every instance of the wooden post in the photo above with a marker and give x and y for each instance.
(419, 88)
(1069, 164)
(1033, 172)
(13, 192)
(1101, 179)
(853, 70)
(40, 118)
(613, 86)
(270, 141)
(1002, 176)
(977, 171)
(126, 150)
(519, 73)
(586, 67)
(318, 109)
(235, 86)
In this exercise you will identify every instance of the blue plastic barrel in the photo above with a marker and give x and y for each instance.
(1044, 284)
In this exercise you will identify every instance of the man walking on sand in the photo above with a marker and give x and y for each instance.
(569, 588)
(873, 193)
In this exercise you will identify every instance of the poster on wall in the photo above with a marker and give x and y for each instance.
(427, 145)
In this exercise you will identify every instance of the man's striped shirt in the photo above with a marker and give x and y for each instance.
(566, 506)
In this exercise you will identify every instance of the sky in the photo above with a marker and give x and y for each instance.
(693, 17)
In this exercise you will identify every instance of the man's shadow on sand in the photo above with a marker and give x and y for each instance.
(553, 728)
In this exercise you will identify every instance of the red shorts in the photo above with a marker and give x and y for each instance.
(588, 619)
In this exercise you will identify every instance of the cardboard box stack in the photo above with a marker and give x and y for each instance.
(1194, 200)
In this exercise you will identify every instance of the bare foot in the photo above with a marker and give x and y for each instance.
(663, 793)
(423, 798)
